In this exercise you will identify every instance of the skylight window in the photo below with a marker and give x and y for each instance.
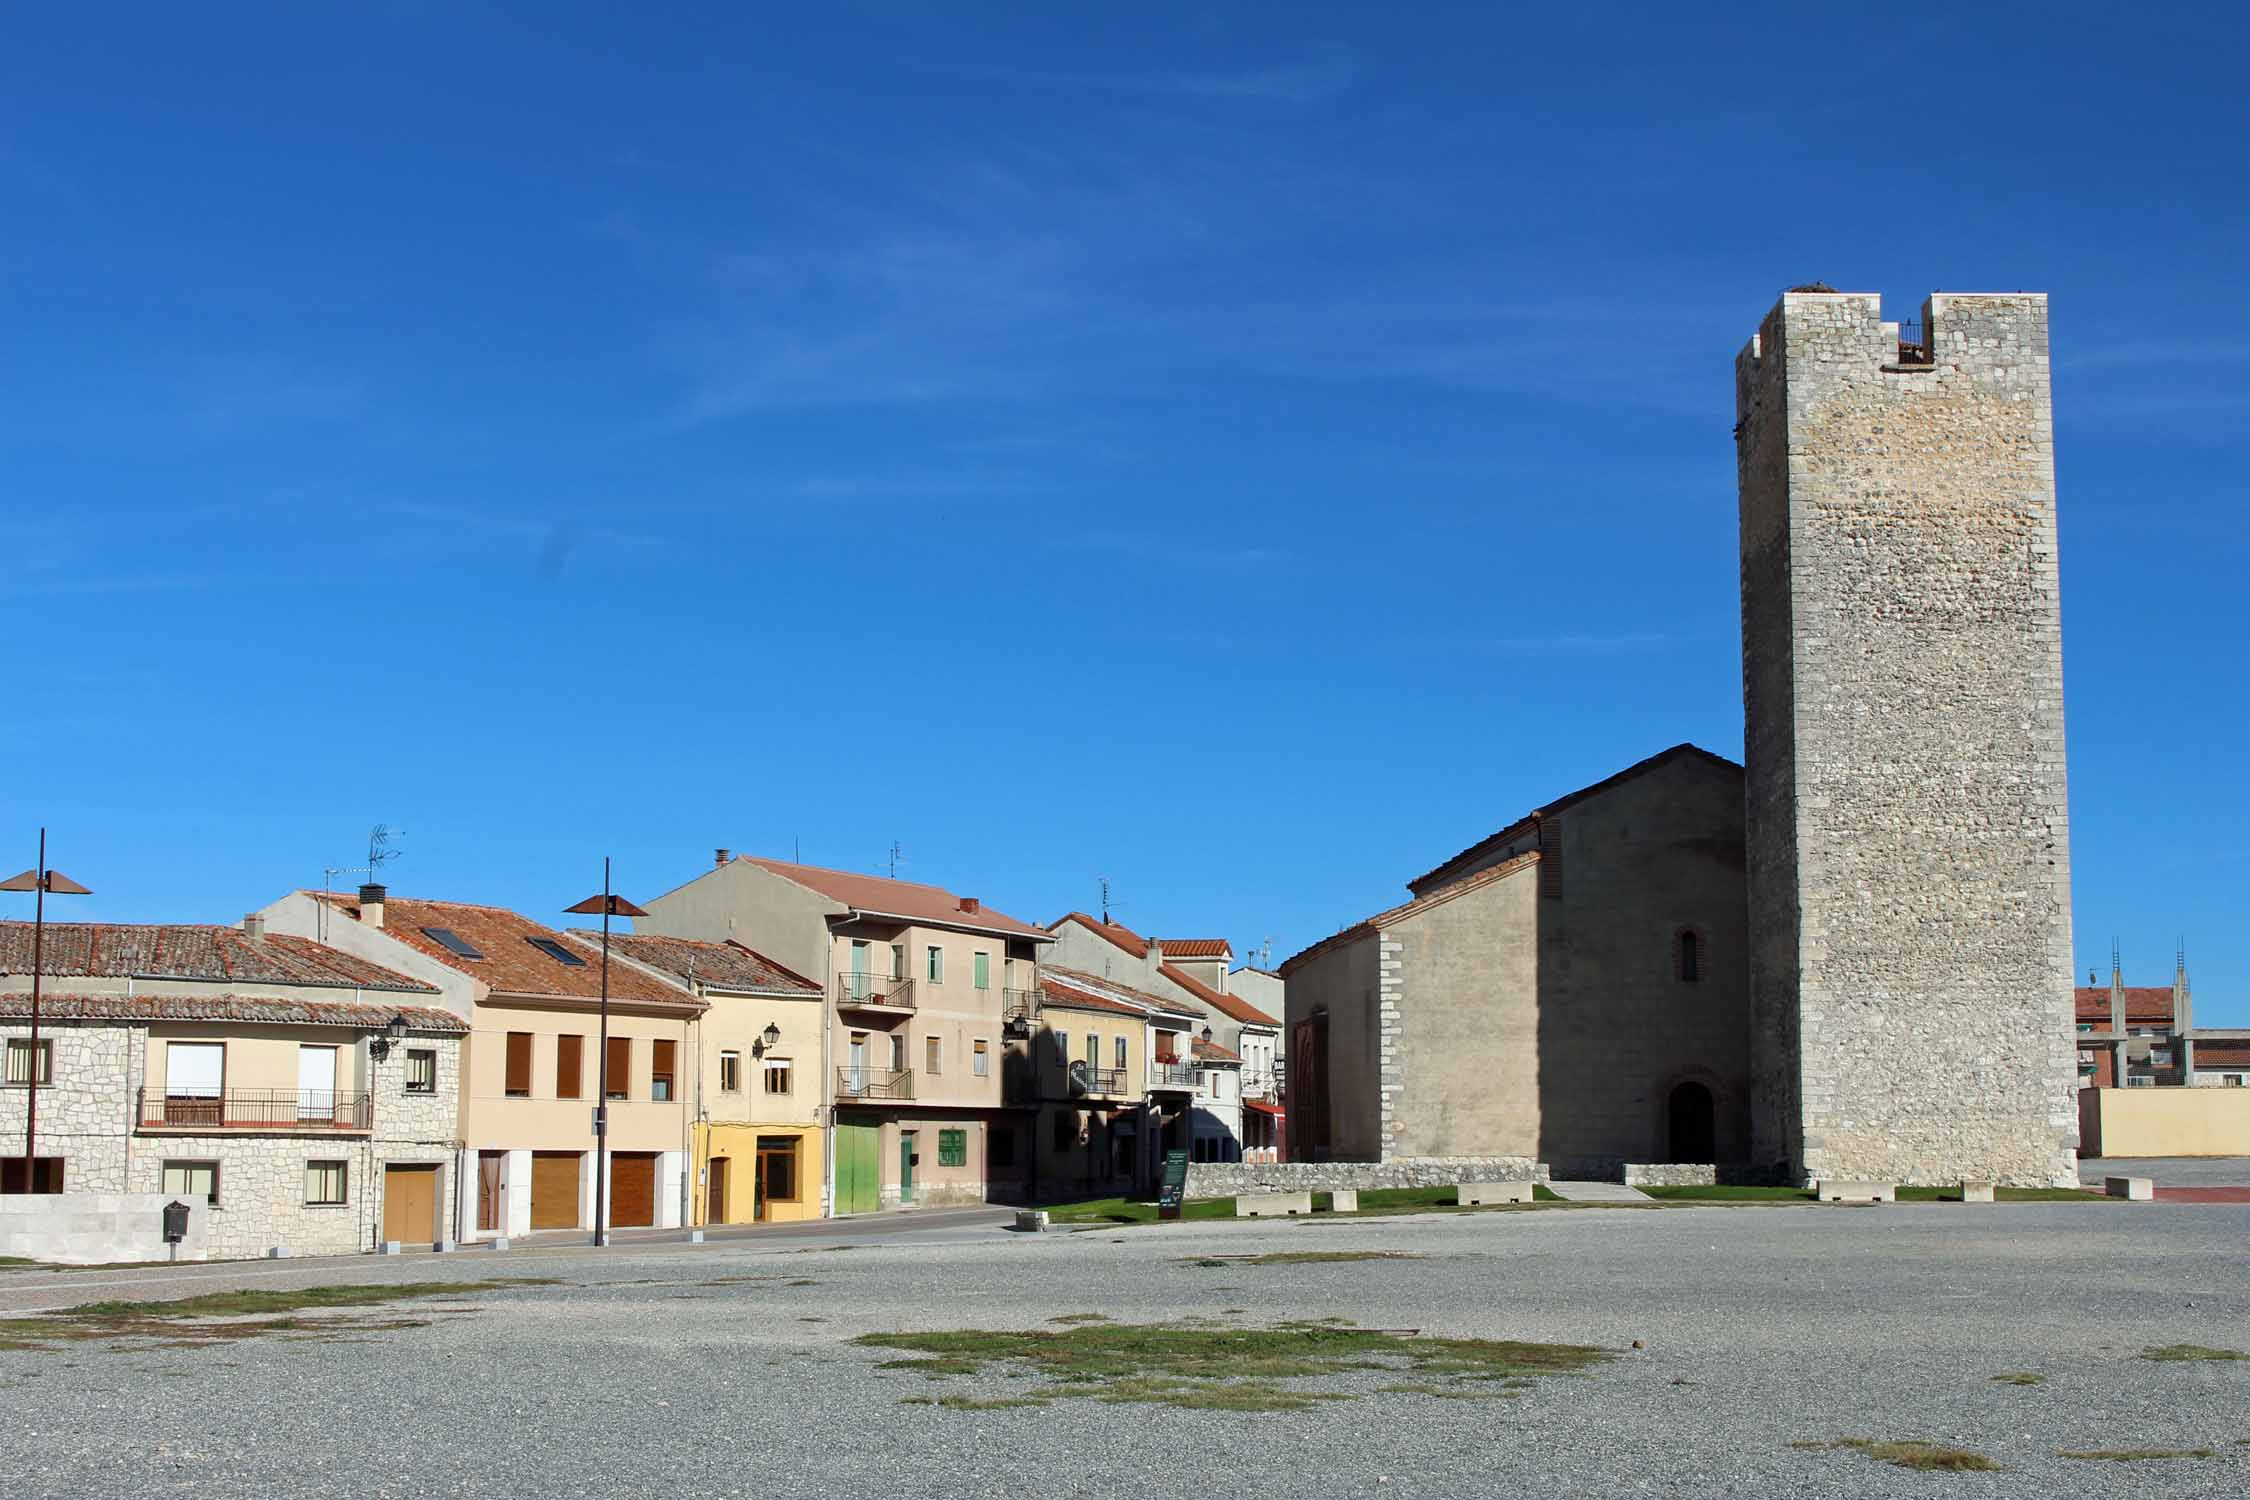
(557, 952)
(451, 941)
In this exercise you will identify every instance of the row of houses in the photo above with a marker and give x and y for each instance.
(781, 1042)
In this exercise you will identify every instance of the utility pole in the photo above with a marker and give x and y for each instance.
(40, 881)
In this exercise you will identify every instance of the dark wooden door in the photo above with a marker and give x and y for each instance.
(715, 1199)
(632, 1190)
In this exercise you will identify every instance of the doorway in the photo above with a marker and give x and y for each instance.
(316, 1085)
(857, 1188)
(906, 1155)
(715, 1195)
(1693, 1124)
(632, 1189)
(777, 1173)
(410, 1204)
(492, 1169)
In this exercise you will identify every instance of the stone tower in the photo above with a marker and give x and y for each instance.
(1909, 853)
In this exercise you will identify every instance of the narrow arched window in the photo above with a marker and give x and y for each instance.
(1691, 957)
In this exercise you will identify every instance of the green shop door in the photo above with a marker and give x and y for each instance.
(858, 1177)
(906, 1139)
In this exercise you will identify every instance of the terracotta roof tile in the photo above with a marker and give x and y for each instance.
(1196, 947)
(181, 950)
(512, 964)
(1060, 993)
(1115, 933)
(363, 1015)
(898, 898)
(1232, 1006)
(2145, 1004)
(1212, 1052)
(725, 966)
(1085, 983)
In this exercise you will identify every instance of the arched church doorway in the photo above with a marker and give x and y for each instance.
(1693, 1128)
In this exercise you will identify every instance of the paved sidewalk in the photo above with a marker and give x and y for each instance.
(1598, 1192)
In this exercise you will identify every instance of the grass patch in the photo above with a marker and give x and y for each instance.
(16, 1260)
(226, 1317)
(1910, 1453)
(2019, 1377)
(1297, 1258)
(2133, 1455)
(1227, 1368)
(1952, 1194)
(2186, 1353)
(801, 1281)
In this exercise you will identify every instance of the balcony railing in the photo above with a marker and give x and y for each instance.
(257, 1109)
(1171, 1075)
(1085, 1078)
(1913, 344)
(1020, 1007)
(874, 1083)
(873, 992)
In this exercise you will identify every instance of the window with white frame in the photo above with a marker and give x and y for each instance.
(980, 1058)
(777, 1075)
(935, 965)
(730, 1072)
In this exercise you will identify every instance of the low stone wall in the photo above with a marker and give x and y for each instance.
(1670, 1174)
(1231, 1179)
(93, 1229)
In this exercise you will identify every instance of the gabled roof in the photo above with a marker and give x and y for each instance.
(879, 895)
(1117, 934)
(182, 950)
(1232, 1006)
(513, 964)
(1060, 994)
(1418, 905)
(1196, 947)
(1079, 982)
(719, 966)
(262, 1010)
(2145, 1004)
(1212, 1052)
(1421, 883)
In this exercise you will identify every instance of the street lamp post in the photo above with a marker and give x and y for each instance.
(609, 905)
(40, 881)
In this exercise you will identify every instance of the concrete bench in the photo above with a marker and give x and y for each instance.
(2138, 1189)
(1856, 1192)
(1031, 1220)
(1271, 1205)
(1476, 1194)
(1977, 1192)
(1344, 1201)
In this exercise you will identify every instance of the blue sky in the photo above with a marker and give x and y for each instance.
(1246, 453)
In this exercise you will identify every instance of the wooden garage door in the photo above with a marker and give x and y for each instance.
(410, 1204)
(554, 1189)
(632, 1190)
(858, 1186)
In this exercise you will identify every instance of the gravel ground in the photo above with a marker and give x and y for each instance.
(1762, 1326)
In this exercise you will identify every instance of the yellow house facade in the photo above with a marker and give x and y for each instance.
(758, 1092)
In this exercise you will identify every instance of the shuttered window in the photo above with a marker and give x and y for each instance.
(620, 1083)
(519, 1065)
(570, 1067)
(663, 1059)
(953, 1148)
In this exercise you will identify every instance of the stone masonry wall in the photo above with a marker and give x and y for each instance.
(1902, 673)
(1227, 1179)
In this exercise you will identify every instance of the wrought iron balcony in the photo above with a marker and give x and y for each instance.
(874, 992)
(1171, 1075)
(874, 1084)
(256, 1109)
(1085, 1078)
(1019, 1007)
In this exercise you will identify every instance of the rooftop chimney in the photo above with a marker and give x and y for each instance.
(253, 926)
(719, 858)
(371, 899)
(971, 905)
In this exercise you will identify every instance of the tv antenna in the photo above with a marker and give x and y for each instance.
(1105, 900)
(379, 854)
(898, 858)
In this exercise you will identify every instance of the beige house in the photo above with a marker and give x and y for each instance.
(1572, 989)
(759, 1086)
(304, 1096)
(534, 1058)
(921, 986)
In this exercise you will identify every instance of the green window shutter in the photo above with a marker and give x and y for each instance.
(953, 1148)
(984, 971)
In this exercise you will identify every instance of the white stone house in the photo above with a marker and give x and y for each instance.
(307, 1098)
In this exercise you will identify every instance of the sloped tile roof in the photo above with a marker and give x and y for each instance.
(2145, 1004)
(1212, 1052)
(722, 966)
(258, 1009)
(511, 964)
(1232, 1006)
(1060, 993)
(1115, 933)
(898, 898)
(1094, 984)
(182, 950)
(1196, 947)
(1639, 768)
